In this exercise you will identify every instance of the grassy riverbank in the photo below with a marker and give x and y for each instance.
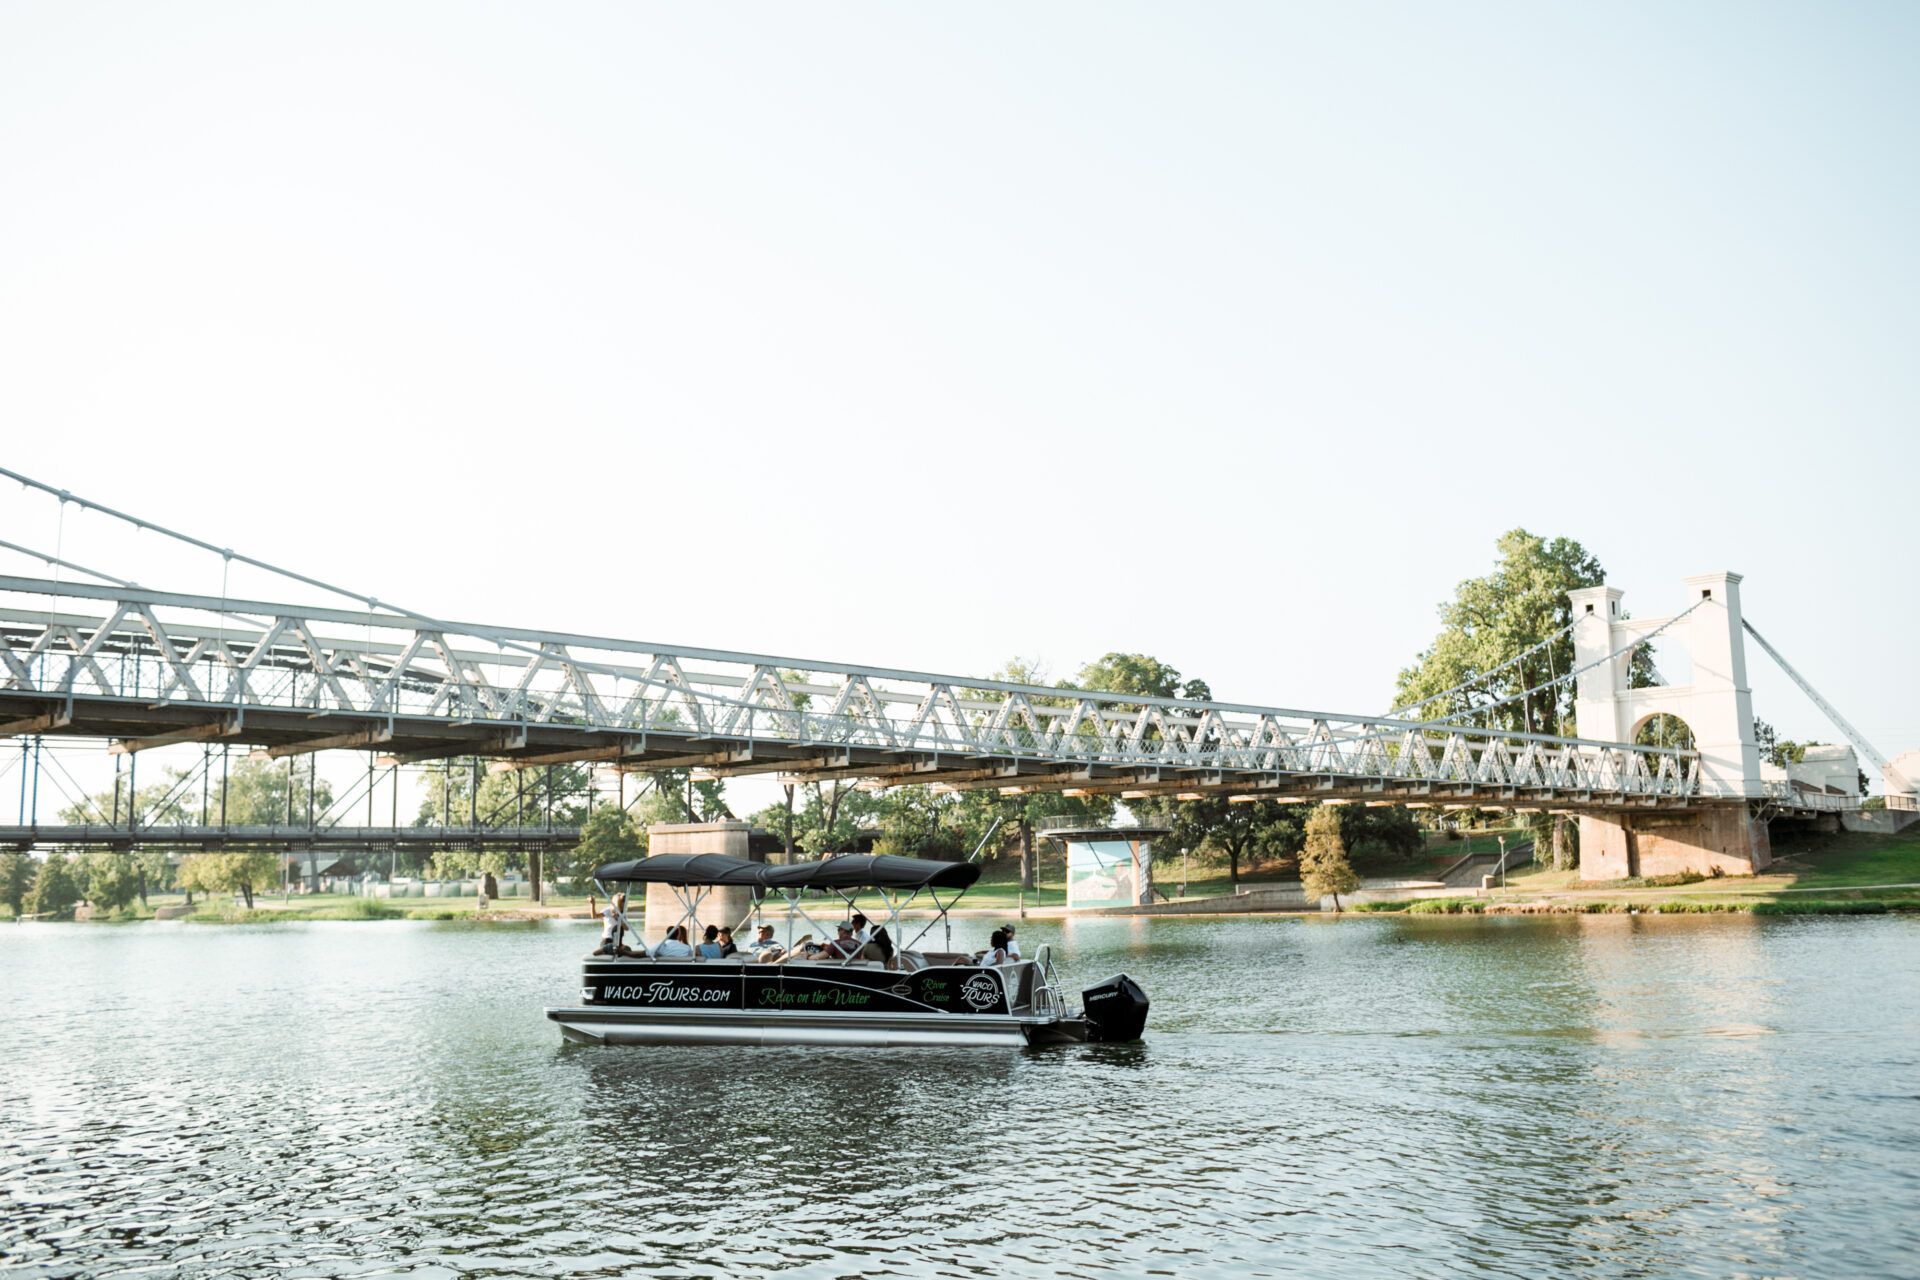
(336, 906)
(1814, 875)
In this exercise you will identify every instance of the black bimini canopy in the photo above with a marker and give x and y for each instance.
(850, 871)
(684, 868)
(879, 870)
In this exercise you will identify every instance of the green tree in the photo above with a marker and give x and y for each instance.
(506, 798)
(153, 870)
(161, 803)
(1663, 730)
(1141, 674)
(1324, 869)
(109, 878)
(1491, 619)
(1259, 831)
(16, 879)
(55, 888)
(919, 822)
(270, 793)
(610, 834)
(242, 871)
(1386, 828)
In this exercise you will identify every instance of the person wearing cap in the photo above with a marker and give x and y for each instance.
(1013, 948)
(764, 949)
(843, 947)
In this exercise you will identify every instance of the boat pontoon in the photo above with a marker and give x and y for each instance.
(916, 997)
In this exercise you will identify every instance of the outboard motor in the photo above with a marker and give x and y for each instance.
(1115, 1009)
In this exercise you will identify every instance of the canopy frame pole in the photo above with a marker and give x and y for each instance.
(692, 905)
(898, 930)
(847, 898)
(793, 899)
(893, 917)
(745, 921)
(939, 919)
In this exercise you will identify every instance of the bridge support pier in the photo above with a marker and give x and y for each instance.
(727, 905)
(1724, 839)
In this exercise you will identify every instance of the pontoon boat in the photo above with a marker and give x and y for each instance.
(914, 997)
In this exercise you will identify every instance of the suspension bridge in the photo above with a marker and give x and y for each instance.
(97, 657)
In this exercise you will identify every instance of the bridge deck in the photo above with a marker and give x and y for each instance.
(153, 668)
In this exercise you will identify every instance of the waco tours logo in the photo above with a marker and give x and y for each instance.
(980, 992)
(666, 991)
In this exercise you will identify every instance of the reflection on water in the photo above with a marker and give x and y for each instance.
(1609, 1095)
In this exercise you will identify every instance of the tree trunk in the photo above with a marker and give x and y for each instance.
(1233, 865)
(833, 818)
(140, 874)
(1026, 854)
(1562, 853)
(533, 874)
(489, 885)
(1336, 904)
(246, 892)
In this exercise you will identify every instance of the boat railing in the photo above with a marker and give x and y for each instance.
(1047, 999)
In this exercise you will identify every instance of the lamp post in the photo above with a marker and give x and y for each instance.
(1503, 862)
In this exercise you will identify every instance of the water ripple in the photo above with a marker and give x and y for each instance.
(1589, 1095)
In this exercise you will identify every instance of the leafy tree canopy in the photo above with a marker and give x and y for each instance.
(242, 871)
(55, 887)
(1324, 869)
(109, 878)
(1491, 619)
(16, 879)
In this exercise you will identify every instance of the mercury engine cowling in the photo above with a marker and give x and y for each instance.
(1115, 1009)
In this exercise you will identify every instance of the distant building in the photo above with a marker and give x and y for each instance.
(1829, 769)
(1908, 763)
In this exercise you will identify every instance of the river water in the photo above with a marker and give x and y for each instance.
(1617, 1096)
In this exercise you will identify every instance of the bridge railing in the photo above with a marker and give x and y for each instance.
(227, 657)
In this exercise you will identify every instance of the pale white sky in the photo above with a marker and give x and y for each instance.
(929, 336)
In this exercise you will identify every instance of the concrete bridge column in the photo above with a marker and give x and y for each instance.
(725, 906)
(1724, 839)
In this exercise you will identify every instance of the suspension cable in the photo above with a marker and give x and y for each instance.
(373, 603)
(1576, 673)
(1402, 712)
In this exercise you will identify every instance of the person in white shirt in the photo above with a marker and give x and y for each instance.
(674, 945)
(862, 931)
(613, 928)
(996, 952)
(763, 948)
(1013, 948)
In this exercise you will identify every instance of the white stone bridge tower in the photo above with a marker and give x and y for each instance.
(1715, 705)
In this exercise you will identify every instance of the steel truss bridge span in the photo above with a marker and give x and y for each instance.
(150, 668)
(337, 839)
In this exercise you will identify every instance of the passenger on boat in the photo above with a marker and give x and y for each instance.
(843, 947)
(996, 952)
(613, 929)
(1013, 948)
(727, 945)
(710, 948)
(763, 948)
(862, 931)
(674, 945)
